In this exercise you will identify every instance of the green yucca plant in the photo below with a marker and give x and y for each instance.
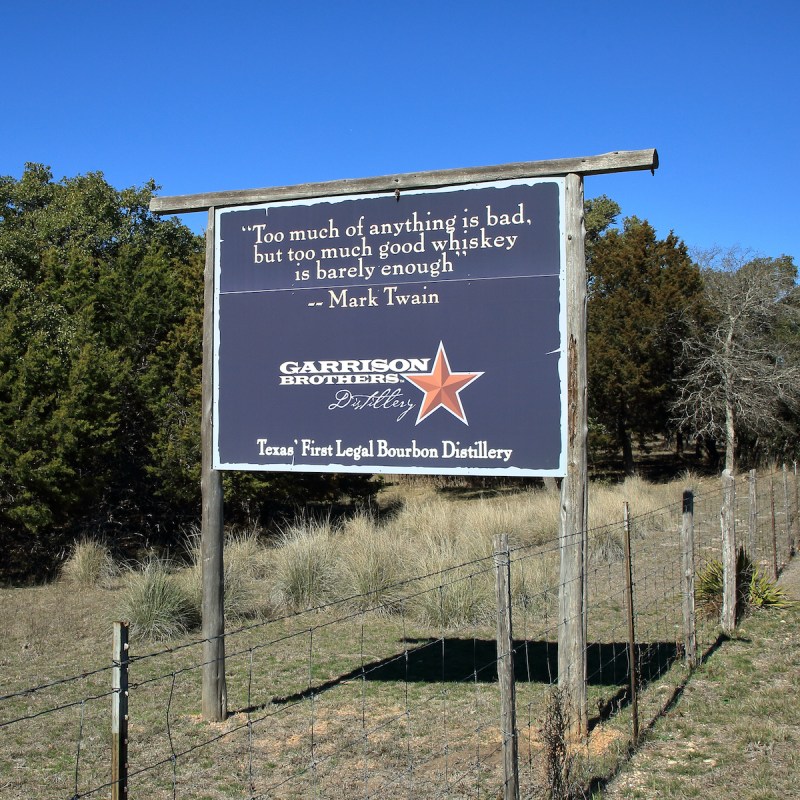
(753, 589)
(765, 593)
(708, 593)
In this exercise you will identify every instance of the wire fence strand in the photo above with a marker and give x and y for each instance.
(351, 699)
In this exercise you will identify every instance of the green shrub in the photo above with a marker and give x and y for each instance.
(89, 564)
(156, 604)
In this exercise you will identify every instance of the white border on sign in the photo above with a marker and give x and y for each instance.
(217, 464)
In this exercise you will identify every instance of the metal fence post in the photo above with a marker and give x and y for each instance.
(505, 669)
(119, 713)
(631, 629)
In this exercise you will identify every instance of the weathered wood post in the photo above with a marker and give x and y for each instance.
(214, 700)
(687, 548)
(119, 713)
(787, 514)
(574, 490)
(728, 525)
(774, 529)
(505, 669)
(634, 679)
(796, 534)
(752, 517)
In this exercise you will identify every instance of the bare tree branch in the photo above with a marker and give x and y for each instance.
(739, 375)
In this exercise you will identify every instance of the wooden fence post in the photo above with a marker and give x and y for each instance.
(796, 512)
(631, 629)
(687, 547)
(574, 487)
(214, 690)
(787, 514)
(752, 517)
(119, 713)
(775, 570)
(728, 524)
(505, 668)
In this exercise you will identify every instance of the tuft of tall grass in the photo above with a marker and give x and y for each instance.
(372, 563)
(456, 586)
(643, 498)
(534, 579)
(530, 517)
(89, 564)
(156, 604)
(606, 545)
(246, 566)
(304, 570)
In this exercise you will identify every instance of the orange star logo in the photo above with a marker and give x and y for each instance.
(442, 387)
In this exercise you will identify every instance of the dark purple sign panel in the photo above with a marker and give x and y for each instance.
(420, 333)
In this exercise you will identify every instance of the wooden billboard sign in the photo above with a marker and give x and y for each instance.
(419, 333)
(459, 346)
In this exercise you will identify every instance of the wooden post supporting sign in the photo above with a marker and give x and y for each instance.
(214, 700)
(574, 492)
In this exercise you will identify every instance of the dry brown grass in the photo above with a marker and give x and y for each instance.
(89, 564)
(404, 705)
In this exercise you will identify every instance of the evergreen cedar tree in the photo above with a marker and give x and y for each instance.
(100, 359)
(644, 293)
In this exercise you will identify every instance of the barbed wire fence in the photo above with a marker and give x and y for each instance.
(397, 690)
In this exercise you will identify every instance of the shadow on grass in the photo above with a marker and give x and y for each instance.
(600, 782)
(475, 660)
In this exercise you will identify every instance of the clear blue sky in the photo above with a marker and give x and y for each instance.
(206, 96)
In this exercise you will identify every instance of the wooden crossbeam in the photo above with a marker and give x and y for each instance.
(617, 161)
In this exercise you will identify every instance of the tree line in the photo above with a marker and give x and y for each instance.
(100, 365)
(699, 348)
(100, 358)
